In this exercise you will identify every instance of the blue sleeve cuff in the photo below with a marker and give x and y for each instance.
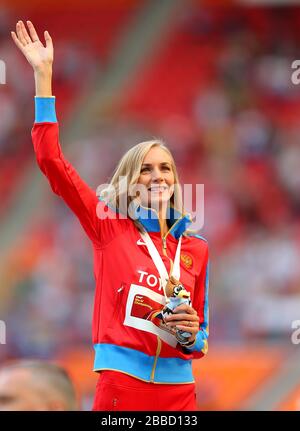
(45, 109)
(200, 344)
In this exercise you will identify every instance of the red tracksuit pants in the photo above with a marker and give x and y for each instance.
(116, 391)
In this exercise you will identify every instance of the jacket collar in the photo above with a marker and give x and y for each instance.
(148, 217)
(176, 221)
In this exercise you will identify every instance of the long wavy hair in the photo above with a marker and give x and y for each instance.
(129, 170)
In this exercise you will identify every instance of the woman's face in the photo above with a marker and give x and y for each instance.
(156, 177)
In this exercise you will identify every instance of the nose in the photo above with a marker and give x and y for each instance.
(157, 175)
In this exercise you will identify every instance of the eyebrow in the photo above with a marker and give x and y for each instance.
(150, 164)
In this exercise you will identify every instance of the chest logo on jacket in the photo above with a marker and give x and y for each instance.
(186, 260)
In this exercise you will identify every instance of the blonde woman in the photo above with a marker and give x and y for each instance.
(143, 346)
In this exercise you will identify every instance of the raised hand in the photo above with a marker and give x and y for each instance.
(39, 56)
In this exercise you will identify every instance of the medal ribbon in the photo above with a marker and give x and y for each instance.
(158, 262)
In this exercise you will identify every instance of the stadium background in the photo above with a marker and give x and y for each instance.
(214, 80)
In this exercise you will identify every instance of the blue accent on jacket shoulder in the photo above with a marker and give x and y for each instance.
(197, 236)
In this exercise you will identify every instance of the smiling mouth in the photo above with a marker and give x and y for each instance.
(159, 189)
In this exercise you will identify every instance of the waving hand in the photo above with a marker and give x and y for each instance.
(38, 55)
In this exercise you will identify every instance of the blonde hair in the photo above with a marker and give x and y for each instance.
(129, 167)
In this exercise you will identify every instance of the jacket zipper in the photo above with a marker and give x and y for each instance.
(164, 249)
(164, 244)
(158, 349)
(164, 238)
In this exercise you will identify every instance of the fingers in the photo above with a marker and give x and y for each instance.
(184, 321)
(33, 33)
(187, 324)
(191, 329)
(182, 316)
(20, 34)
(185, 308)
(48, 39)
(16, 40)
(26, 36)
(191, 326)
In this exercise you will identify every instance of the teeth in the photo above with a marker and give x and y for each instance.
(158, 188)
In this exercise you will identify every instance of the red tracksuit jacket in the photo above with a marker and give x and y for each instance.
(127, 282)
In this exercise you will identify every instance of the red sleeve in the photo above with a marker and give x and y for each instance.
(64, 179)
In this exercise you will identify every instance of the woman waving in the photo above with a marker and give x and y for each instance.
(151, 300)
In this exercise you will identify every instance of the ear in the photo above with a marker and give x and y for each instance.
(173, 280)
(169, 288)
